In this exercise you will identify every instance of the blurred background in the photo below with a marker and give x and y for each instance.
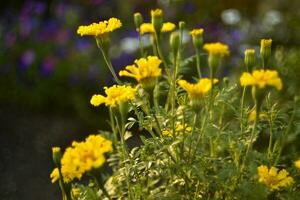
(48, 73)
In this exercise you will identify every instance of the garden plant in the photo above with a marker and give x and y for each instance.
(196, 136)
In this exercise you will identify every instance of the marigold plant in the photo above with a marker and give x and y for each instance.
(174, 134)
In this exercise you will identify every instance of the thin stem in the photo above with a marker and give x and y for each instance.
(110, 67)
(271, 133)
(192, 136)
(141, 46)
(249, 147)
(287, 130)
(198, 63)
(242, 110)
(159, 49)
(211, 93)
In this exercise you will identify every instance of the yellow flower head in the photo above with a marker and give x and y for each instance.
(100, 29)
(115, 95)
(157, 13)
(197, 32)
(148, 28)
(198, 90)
(54, 176)
(180, 128)
(217, 49)
(261, 79)
(81, 157)
(274, 179)
(143, 69)
(297, 164)
(266, 43)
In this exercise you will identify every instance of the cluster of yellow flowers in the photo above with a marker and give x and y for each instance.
(82, 157)
(274, 179)
(198, 90)
(143, 69)
(179, 129)
(261, 78)
(217, 49)
(115, 95)
(101, 28)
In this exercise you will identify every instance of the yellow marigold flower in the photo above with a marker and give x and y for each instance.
(115, 95)
(265, 43)
(197, 32)
(148, 28)
(143, 69)
(156, 13)
(178, 129)
(81, 157)
(217, 49)
(297, 164)
(168, 27)
(54, 176)
(101, 28)
(261, 78)
(198, 90)
(274, 179)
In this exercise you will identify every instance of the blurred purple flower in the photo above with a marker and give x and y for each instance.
(83, 44)
(48, 65)
(48, 31)
(26, 25)
(26, 59)
(39, 7)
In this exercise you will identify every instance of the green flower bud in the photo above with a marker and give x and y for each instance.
(265, 50)
(138, 20)
(181, 25)
(197, 36)
(56, 155)
(249, 59)
(157, 19)
(175, 42)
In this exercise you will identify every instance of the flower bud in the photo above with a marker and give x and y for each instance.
(265, 49)
(197, 36)
(249, 59)
(138, 20)
(181, 25)
(157, 19)
(56, 155)
(174, 42)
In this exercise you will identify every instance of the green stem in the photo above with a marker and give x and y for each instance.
(211, 93)
(198, 63)
(192, 136)
(287, 130)
(156, 38)
(110, 67)
(242, 111)
(112, 124)
(249, 147)
(141, 45)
